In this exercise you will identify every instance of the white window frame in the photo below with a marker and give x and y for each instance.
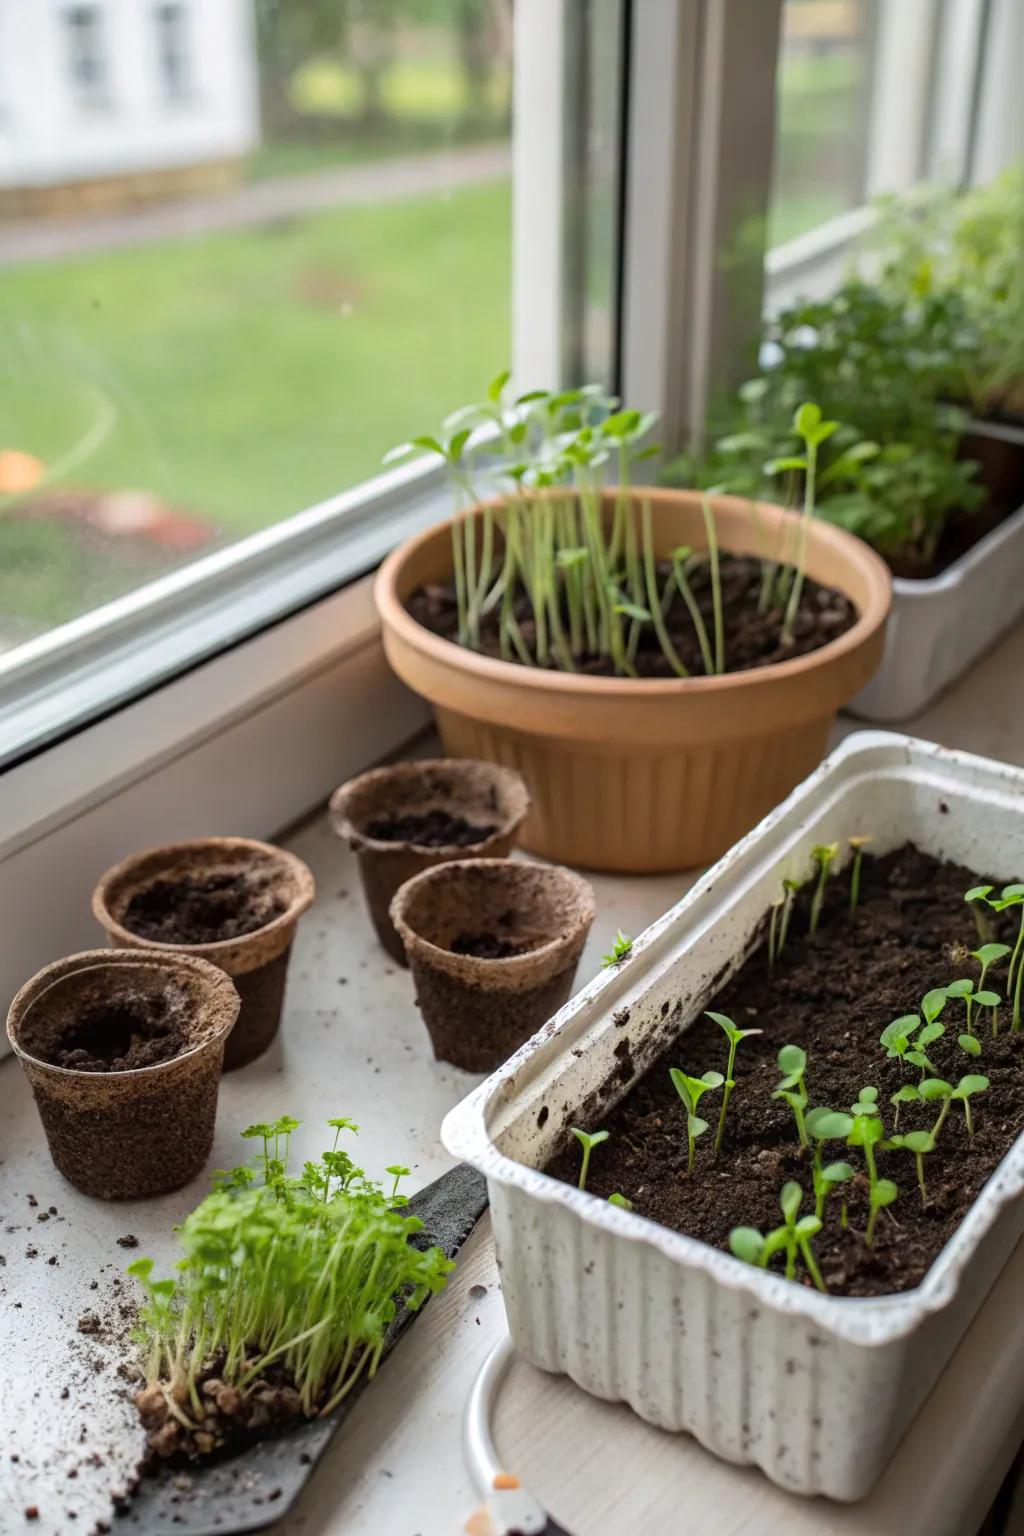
(87, 96)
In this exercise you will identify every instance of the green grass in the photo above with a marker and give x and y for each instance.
(255, 373)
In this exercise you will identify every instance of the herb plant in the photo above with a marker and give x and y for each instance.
(827, 1125)
(918, 1143)
(305, 1272)
(792, 1062)
(588, 1141)
(866, 1132)
(549, 550)
(937, 1088)
(781, 913)
(988, 955)
(620, 1201)
(734, 1036)
(619, 950)
(691, 1090)
(964, 989)
(1011, 896)
(824, 855)
(857, 845)
(793, 1238)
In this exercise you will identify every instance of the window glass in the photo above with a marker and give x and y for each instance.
(211, 320)
(173, 54)
(821, 134)
(86, 55)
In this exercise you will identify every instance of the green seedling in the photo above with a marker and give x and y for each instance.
(857, 844)
(306, 1274)
(969, 1043)
(898, 1037)
(866, 1132)
(792, 1089)
(936, 1088)
(964, 989)
(918, 1143)
(620, 1201)
(824, 855)
(619, 950)
(1013, 896)
(987, 956)
(808, 425)
(793, 1238)
(827, 1125)
(977, 898)
(908, 1094)
(588, 1141)
(734, 1036)
(691, 1090)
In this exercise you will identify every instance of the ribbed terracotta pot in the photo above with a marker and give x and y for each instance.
(121, 1135)
(484, 794)
(478, 1011)
(257, 962)
(649, 774)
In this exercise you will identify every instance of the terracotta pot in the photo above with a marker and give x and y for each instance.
(120, 1135)
(481, 793)
(650, 774)
(257, 961)
(478, 1010)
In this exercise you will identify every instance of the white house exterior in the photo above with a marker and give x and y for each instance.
(98, 89)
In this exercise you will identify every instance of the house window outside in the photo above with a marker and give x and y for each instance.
(87, 56)
(174, 54)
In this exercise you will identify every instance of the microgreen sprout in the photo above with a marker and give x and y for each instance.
(619, 950)
(866, 1132)
(980, 896)
(824, 855)
(808, 425)
(588, 1141)
(620, 1201)
(734, 1036)
(918, 1143)
(937, 1088)
(792, 1064)
(988, 955)
(898, 1037)
(793, 1238)
(691, 1090)
(827, 1125)
(858, 845)
(285, 1270)
(782, 911)
(964, 989)
(908, 1094)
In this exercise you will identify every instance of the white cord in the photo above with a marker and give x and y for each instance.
(511, 1508)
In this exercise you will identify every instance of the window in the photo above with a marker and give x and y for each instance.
(173, 52)
(87, 58)
(214, 324)
(822, 87)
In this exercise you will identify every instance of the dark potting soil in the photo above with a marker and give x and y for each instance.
(121, 1035)
(751, 639)
(428, 829)
(231, 1418)
(204, 908)
(488, 946)
(832, 993)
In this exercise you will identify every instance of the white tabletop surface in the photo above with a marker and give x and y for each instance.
(353, 1043)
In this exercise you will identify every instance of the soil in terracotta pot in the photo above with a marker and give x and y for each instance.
(205, 908)
(752, 639)
(831, 994)
(126, 1033)
(428, 829)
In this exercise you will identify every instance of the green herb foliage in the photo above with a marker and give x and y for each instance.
(691, 1090)
(733, 1036)
(305, 1272)
(588, 1141)
(619, 950)
(792, 1089)
(866, 1131)
(793, 1238)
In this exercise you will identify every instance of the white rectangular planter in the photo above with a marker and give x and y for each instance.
(939, 628)
(816, 1390)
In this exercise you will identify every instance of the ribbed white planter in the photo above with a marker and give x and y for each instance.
(816, 1390)
(939, 628)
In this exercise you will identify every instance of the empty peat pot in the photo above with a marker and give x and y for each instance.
(493, 947)
(123, 1049)
(411, 816)
(230, 900)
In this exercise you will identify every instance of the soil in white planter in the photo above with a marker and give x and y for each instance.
(832, 994)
